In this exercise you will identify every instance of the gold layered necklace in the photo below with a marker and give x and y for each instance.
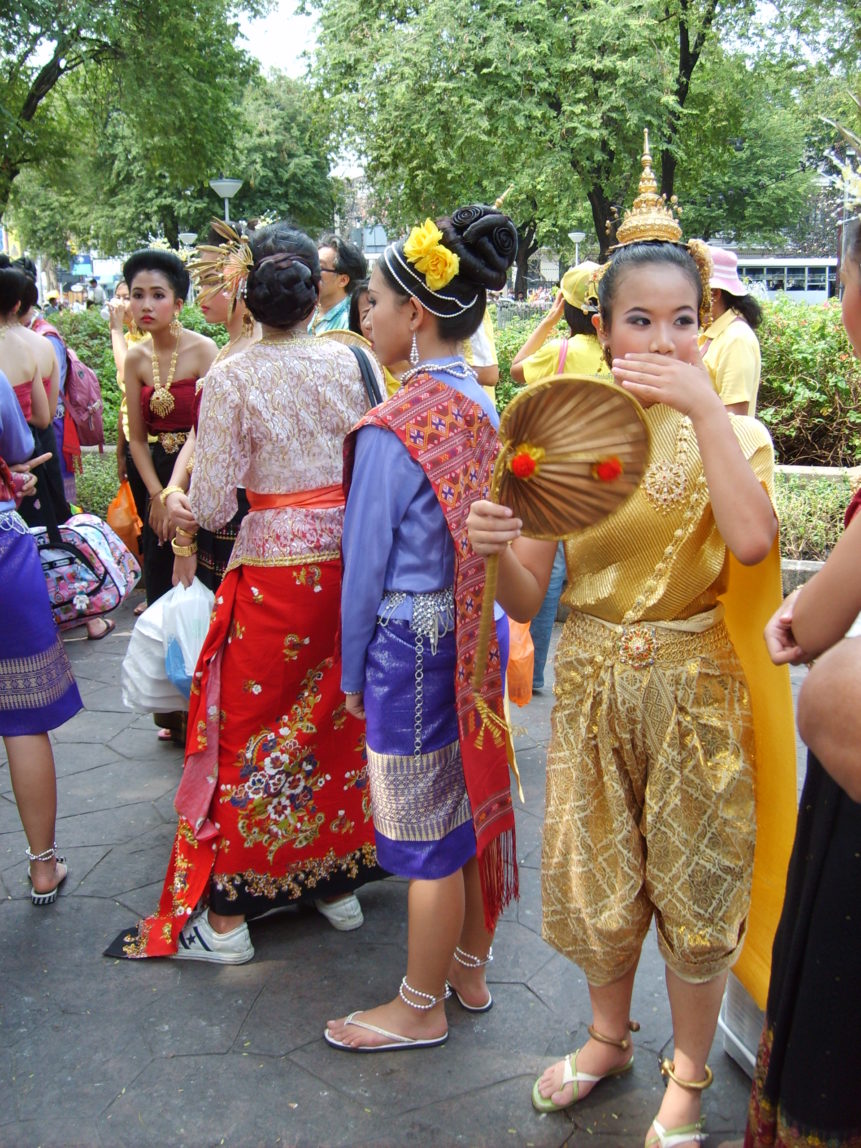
(280, 340)
(665, 483)
(161, 401)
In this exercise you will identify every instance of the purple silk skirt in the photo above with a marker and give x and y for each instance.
(422, 816)
(37, 690)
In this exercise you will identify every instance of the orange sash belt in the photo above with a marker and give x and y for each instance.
(318, 498)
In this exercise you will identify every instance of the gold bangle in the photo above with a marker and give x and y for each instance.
(167, 490)
(185, 533)
(189, 466)
(183, 551)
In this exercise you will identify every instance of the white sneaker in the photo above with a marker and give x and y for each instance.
(198, 941)
(342, 915)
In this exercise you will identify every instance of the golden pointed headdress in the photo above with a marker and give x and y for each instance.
(229, 268)
(652, 219)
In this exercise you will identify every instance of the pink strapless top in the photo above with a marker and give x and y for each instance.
(24, 395)
(181, 418)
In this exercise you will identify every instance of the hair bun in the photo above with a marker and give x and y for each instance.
(282, 286)
(486, 244)
(464, 216)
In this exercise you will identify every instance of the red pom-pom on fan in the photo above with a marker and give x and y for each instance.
(608, 469)
(523, 465)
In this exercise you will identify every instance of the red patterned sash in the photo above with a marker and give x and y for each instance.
(454, 442)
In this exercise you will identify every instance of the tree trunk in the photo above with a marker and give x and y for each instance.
(602, 217)
(526, 247)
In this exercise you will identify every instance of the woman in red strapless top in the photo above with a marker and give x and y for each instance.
(160, 376)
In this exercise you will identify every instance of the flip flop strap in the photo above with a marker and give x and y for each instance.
(351, 1019)
(570, 1075)
(673, 1137)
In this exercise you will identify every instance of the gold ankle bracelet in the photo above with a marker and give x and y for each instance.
(624, 1043)
(668, 1069)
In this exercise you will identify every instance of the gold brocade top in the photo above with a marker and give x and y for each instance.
(274, 419)
(660, 557)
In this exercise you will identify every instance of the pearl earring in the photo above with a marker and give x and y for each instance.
(414, 352)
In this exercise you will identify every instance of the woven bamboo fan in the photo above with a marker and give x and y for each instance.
(574, 448)
(348, 337)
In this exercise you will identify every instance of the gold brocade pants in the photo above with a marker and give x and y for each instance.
(650, 799)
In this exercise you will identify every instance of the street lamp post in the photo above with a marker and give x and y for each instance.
(226, 188)
(576, 238)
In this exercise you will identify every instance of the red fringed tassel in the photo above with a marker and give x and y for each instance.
(500, 883)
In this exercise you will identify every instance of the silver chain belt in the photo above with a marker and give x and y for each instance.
(433, 618)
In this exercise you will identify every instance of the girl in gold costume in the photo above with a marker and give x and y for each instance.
(650, 786)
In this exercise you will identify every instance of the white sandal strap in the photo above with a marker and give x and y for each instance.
(570, 1075)
(351, 1019)
(674, 1139)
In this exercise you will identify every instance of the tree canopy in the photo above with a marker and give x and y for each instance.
(172, 72)
(452, 101)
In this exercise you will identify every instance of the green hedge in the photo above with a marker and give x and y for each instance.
(810, 394)
(89, 336)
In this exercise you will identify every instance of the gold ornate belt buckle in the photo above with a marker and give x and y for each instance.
(171, 441)
(637, 646)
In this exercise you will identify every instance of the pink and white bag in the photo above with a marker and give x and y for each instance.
(88, 569)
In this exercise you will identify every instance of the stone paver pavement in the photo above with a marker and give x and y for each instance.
(96, 1052)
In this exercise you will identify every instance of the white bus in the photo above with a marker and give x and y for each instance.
(804, 280)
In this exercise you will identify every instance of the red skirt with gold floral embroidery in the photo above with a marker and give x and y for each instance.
(274, 802)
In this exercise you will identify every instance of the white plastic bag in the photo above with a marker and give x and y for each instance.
(185, 622)
(146, 686)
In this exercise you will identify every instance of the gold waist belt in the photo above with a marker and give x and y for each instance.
(642, 644)
(171, 441)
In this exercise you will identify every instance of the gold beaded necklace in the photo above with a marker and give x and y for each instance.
(161, 401)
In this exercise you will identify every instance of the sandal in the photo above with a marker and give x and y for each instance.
(570, 1075)
(399, 1042)
(139, 609)
(110, 626)
(684, 1133)
(51, 854)
(472, 962)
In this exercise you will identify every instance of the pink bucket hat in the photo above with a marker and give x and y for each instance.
(724, 274)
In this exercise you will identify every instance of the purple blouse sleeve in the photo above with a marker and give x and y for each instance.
(16, 438)
(385, 482)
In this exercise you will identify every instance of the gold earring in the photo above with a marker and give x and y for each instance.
(608, 356)
(175, 326)
(248, 324)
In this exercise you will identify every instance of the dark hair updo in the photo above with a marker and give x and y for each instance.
(485, 242)
(14, 286)
(641, 255)
(29, 294)
(164, 263)
(284, 283)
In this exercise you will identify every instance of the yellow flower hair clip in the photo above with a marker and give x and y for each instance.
(425, 250)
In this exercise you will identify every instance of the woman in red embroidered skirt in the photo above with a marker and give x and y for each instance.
(273, 803)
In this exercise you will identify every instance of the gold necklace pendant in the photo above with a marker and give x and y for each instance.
(161, 401)
(665, 483)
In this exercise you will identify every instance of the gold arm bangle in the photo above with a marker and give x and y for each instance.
(185, 533)
(167, 490)
(183, 551)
